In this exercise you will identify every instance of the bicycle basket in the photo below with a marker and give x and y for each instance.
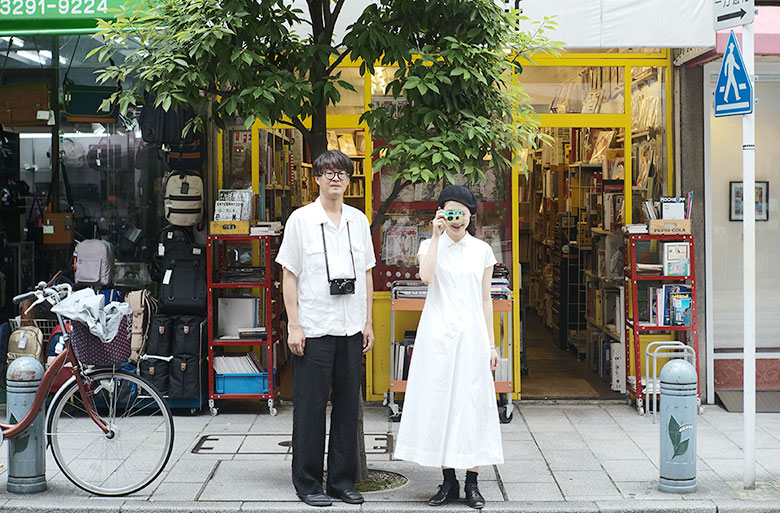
(90, 350)
(45, 325)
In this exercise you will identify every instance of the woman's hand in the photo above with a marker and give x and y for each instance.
(493, 359)
(438, 223)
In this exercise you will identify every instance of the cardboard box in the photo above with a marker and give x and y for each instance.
(669, 226)
(229, 228)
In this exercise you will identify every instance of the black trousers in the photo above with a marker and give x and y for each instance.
(326, 361)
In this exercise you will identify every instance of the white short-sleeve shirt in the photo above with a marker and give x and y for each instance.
(302, 252)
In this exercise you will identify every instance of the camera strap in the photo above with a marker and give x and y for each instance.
(325, 247)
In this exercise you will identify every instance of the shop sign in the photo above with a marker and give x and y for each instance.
(734, 90)
(732, 13)
(19, 17)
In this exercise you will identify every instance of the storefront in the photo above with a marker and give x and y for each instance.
(607, 110)
(721, 164)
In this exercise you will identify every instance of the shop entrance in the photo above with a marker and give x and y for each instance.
(602, 142)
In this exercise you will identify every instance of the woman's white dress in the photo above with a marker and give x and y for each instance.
(450, 415)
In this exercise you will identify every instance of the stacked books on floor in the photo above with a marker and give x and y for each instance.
(241, 364)
(403, 355)
(499, 285)
(409, 289)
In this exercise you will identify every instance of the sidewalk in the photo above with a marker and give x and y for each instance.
(558, 457)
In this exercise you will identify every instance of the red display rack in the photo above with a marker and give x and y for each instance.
(632, 325)
(268, 289)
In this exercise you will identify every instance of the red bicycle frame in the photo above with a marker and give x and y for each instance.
(67, 356)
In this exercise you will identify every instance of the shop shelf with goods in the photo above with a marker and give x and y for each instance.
(661, 302)
(409, 296)
(244, 310)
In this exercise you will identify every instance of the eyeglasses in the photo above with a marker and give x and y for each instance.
(330, 174)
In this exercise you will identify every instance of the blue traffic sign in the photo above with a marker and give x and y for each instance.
(734, 90)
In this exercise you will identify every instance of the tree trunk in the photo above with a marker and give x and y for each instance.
(318, 140)
(381, 213)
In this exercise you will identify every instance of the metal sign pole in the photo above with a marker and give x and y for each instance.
(749, 270)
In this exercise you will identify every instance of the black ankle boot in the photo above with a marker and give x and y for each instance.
(473, 498)
(448, 492)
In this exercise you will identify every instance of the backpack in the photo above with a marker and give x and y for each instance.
(183, 288)
(144, 306)
(93, 262)
(185, 157)
(26, 341)
(169, 236)
(160, 127)
(183, 199)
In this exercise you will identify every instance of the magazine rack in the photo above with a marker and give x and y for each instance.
(636, 383)
(503, 374)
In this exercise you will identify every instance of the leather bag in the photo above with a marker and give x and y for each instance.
(59, 228)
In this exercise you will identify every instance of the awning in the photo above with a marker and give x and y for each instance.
(766, 37)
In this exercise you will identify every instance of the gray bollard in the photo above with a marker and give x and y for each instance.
(26, 452)
(679, 406)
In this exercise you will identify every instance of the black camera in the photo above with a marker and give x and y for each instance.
(342, 286)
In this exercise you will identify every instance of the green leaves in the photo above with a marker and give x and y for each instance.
(675, 435)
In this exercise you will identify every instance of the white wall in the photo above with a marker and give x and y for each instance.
(725, 164)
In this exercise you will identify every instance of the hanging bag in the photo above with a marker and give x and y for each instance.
(58, 227)
(85, 103)
(20, 103)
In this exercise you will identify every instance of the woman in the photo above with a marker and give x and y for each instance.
(450, 417)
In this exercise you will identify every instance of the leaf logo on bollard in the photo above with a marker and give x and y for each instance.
(675, 434)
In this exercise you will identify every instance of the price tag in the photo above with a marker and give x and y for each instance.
(167, 277)
(161, 249)
(22, 341)
(48, 229)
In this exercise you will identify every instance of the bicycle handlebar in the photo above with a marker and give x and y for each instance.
(24, 297)
(42, 292)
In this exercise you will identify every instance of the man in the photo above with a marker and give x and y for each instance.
(327, 256)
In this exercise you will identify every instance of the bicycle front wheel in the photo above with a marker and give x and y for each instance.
(137, 445)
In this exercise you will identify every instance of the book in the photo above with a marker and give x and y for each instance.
(665, 302)
(603, 140)
(672, 207)
(243, 196)
(347, 145)
(681, 311)
(676, 259)
(227, 210)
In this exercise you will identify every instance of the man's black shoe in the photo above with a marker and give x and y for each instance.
(348, 496)
(316, 499)
(473, 498)
(448, 492)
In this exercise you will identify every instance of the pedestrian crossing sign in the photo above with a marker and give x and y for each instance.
(734, 90)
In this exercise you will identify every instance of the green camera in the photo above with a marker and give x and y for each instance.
(453, 216)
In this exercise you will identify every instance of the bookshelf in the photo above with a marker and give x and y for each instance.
(678, 320)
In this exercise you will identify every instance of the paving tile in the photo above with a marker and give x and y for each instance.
(177, 491)
(521, 450)
(586, 483)
(554, 441)
(571, 460)
(533, 492)
(630, 470)
(516, 435)
(190, 471)
(608, 450)
(732, 470)
(530, 471)
(645, 490)
(657, 506)
(181, 506)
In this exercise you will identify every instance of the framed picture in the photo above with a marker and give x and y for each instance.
(736, 201)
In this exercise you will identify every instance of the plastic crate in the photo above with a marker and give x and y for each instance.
(255, 383)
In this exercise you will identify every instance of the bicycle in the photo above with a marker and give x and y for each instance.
(110, 431)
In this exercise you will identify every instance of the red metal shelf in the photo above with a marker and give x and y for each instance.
(659, 277)
(634, 350)
(239, 285)
(241, 342)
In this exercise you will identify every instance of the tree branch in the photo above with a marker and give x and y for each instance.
(381, 213)
(335, 64)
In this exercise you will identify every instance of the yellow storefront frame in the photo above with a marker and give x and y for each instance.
(377, 361)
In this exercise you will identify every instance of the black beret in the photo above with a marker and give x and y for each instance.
(461, 195)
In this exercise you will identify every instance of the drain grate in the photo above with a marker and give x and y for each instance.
(274, 443)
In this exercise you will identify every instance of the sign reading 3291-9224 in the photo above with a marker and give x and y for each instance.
(58, 8)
